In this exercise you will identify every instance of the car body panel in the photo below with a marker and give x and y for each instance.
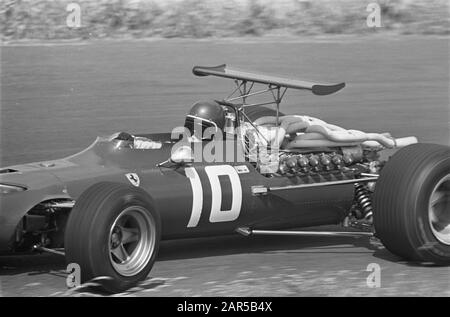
(172, 191)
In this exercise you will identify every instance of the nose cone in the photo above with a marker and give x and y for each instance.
(30, 176)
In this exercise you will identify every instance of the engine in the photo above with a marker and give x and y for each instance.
(351, 161)
(318, 162)
(323, 161)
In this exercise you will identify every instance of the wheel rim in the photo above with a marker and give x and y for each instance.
(439, 210)
(132, 240)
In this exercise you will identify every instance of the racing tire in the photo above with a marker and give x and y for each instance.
(412, 204)
(113, 234)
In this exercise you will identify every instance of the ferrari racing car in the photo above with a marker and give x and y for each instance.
(236, 166)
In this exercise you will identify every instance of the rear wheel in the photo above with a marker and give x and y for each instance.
(113, 231)
(412, 204)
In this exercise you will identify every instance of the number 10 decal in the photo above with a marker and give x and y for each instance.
(216, 215)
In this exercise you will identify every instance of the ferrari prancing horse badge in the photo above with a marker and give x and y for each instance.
(133, 178)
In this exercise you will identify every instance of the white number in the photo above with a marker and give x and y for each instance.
(197, 196)
(216, 214)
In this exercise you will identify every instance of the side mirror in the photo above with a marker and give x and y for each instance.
(182, 155)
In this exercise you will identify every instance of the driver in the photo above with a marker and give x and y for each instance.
(202, 116)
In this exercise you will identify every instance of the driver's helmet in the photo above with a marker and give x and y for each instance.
(203, 115)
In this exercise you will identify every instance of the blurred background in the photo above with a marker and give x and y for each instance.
(45, 19)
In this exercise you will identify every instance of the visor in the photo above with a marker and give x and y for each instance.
(197, 126)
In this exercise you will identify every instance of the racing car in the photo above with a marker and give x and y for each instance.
(238, 165)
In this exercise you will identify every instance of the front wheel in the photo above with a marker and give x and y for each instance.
(412, 204)
(113, 231)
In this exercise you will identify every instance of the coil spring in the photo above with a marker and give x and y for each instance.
(363, 200)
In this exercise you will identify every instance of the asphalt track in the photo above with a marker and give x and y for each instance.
(56, 98)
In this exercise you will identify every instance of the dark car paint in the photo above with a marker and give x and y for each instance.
(171, 190)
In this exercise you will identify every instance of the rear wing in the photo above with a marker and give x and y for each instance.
(223, 71)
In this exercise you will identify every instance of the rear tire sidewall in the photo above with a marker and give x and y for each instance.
(419, 196)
